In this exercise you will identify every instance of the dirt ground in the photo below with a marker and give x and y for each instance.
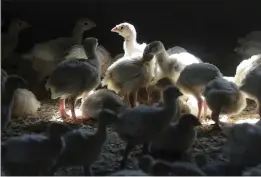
(208, 144)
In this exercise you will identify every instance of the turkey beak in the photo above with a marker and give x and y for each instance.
(115, 29)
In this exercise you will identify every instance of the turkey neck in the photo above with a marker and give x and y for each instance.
(162, 60)
(93, 57)
(131, 38)
(100, 135)
(8, 95)
(91, 53)
(162, 57)
(170, 107)
(77, 34)
(130, 42)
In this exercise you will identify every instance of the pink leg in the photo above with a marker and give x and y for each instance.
(200, 102)
(205, 107)
(63, 113)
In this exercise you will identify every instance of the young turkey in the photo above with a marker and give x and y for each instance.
(9, 86)
(83, 148)
(176, 139)
(102, 99)
(127, 75)
(25, 103)
(193, 80)
(77, 51)
(141, 124)
(46, 55)
(248, 78)
(72, 78)
(243, 144)
(169, 65)
(33, 154)
(223, 97)
(130, 45)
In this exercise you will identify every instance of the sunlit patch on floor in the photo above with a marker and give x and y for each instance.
(78, 112)
(251, 119)
(248, 120)
(57, 118)
(207, 122)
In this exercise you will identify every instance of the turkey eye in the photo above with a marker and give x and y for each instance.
(122, 27)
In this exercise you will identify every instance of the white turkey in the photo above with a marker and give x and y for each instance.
(248, 78)
(169, 65)
(9, 85)
(128, 74)
(128, 32)
(223, 97)
(25, 103)
(193, 80)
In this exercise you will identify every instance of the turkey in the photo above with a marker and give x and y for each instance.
(223, 97)
(130, 45)
(72, 78)
(169, 65)
(142, 124)
(193, 80)
(127, 75)
(46, 55)
(248, 78)
(77, 51)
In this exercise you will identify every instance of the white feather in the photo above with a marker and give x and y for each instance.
(25, 103)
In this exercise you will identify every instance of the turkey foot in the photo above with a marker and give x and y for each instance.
(200, 104)
(205, 108)
(63, 113)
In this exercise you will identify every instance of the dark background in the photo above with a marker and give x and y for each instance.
(209, 29)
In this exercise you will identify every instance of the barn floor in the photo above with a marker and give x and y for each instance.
(208, 143)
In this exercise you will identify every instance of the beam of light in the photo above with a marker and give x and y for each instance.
(229, 78)
(78, 112)
(91, 92)
(248, 120)
(241, 119)
(236, 120)
(57, 118)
